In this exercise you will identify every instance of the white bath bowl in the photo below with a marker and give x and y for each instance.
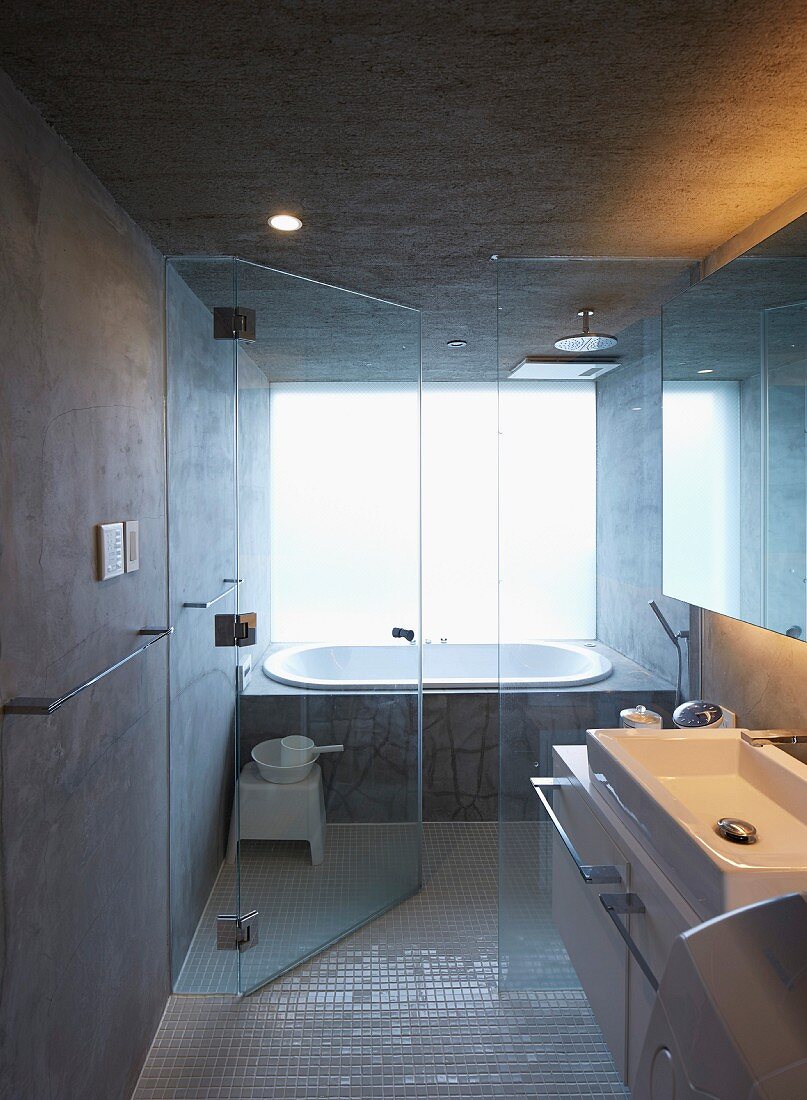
(267, 758)
(512, 665)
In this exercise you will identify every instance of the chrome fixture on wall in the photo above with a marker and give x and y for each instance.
(676, 639)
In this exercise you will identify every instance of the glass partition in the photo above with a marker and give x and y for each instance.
(579, 472)
(313, 481)
(201, 486)
(330, 472)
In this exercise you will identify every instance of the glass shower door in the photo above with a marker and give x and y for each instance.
(328, 464)
(202, 498)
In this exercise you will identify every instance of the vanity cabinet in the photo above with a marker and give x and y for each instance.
(620, 994)
(598, 955)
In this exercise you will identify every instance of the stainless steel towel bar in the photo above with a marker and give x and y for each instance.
(627, 904)
(233, 583)
(603, 874)
(49, 706)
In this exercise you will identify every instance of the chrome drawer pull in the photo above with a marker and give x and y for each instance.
(614, 904)
(603, 874)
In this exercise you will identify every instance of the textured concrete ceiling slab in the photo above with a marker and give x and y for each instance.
(417, 139)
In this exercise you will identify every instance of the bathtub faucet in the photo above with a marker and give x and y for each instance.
(402, 632)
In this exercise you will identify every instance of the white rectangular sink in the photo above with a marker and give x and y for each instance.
(671, 787)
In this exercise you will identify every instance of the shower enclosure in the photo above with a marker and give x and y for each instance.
(579, 558)
(293, 428)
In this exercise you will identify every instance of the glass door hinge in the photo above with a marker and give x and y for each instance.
(236, 933)
(233, 323)
(240, 630)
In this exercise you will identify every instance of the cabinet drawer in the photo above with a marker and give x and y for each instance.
(597, 953)
(653, 932)
(612, 976)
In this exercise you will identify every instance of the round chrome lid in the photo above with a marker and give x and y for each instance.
(734, 828)
(697, 714)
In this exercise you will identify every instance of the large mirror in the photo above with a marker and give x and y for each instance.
(734, 361)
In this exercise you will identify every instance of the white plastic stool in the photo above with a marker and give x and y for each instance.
(280, 811)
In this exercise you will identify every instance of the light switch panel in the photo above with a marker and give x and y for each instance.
(110, 550)
(131, 532)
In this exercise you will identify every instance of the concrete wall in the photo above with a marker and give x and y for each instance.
(750, 549)
(83, 857)
(629, 453)
(253, 500)
(786, 551)
(759, 674)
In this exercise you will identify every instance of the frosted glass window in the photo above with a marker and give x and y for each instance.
(344, 471)
(460, 495)
(547, 489)
(344, 500)
(702, 432)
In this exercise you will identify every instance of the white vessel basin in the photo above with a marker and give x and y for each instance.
(671, 788)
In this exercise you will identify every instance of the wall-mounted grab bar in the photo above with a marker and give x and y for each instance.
(233, 583)
(603, 874)
(614, 904)
(49, 706)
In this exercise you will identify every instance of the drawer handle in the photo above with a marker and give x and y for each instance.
(603, 874)
(614, 905)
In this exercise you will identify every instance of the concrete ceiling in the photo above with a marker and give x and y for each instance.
(417, 139)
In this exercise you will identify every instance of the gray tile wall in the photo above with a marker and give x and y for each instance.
(83, 855)
(375, 779)
(629, 455)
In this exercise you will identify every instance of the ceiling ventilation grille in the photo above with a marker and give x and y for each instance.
(546, 369)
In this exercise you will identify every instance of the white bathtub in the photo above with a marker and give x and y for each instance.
(445, 665)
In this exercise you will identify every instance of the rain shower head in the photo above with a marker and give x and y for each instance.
(585, 341)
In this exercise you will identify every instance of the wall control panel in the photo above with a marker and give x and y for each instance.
(131, 530)
(110, 550)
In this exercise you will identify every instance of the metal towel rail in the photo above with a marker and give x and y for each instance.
(604, 874)
(49, 706)
(627, 904)
(233, 583)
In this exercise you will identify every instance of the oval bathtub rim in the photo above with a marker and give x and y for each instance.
(458, 683)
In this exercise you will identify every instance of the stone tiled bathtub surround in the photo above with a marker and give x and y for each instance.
(405, 1009)
(374, 779)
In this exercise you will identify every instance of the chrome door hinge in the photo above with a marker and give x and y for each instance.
(240, 630)
(236, 933)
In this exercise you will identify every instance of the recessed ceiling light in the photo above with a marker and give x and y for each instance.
(636, 409)
(457, 343)
(286, 223)
(706, 370)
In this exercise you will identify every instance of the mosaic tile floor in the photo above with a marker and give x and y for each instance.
(366, 868)
(406, 1008)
